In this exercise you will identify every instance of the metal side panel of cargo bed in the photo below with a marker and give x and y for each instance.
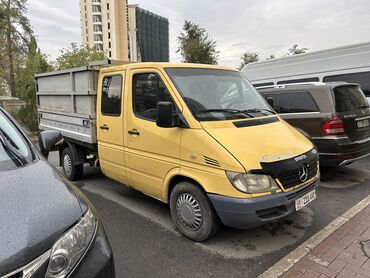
(67, 102)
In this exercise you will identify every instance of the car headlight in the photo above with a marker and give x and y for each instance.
(69, 249)
(252, 183)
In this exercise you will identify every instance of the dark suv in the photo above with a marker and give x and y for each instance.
(335, 116)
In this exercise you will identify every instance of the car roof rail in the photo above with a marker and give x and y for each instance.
(291, 84)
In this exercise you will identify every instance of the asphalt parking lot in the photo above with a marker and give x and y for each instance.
(146, 244)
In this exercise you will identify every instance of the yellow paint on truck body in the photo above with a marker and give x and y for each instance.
(151, 160)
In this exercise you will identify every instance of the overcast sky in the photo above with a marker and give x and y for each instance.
(268, 27)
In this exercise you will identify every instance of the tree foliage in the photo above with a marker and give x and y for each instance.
(248, 57)
(196, 46)
(34, 62)
(75, 56)
(294, 50)
(15, 34)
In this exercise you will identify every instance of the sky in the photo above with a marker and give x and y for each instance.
(266, 27)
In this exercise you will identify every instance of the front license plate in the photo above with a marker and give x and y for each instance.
(304, 200)
(362, 123)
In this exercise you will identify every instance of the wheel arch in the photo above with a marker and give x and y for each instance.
(78, 154)
(173, 178)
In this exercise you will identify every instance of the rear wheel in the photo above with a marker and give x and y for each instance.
(192, 212)
(71, 171)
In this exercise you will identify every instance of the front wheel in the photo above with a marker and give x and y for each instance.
(192, 212)
(71, 171)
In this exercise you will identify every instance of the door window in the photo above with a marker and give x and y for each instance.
(148, 90)
(111, 95)
(297, 102)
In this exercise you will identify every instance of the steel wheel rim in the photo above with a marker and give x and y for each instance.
(67, 165)
(189, 211)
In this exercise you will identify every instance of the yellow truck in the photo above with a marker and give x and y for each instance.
(197, 137)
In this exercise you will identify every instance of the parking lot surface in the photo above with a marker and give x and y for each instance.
(145, 242)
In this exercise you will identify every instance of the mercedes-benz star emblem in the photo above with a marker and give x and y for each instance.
(303, 173)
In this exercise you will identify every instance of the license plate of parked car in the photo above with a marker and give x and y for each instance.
(304, 200)
(362, 123)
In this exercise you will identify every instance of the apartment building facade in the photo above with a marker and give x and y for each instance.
(104, 26)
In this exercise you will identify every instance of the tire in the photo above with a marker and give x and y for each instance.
(192, 212)
(71, 171)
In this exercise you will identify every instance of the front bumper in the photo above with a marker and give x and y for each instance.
(253, 212)
(98, 261)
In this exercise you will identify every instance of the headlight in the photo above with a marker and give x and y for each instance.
(252, 183)
(69, 249)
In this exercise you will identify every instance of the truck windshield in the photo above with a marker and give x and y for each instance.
(214, 95)
(14, 150)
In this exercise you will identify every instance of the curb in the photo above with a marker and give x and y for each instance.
(293, 257)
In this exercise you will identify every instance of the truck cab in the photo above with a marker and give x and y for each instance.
(201, 139)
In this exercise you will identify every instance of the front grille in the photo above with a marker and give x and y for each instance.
(291, 179)
(39, 265)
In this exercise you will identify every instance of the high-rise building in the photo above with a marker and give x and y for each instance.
(104, 26)
(148, 36)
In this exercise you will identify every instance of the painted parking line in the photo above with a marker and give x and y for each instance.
(288, 261)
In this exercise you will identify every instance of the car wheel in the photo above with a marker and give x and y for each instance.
(192, 212)
(71, 171)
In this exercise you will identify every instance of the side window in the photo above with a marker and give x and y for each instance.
(297, 102)
(301, 80)
(111, 95)
(362, 78)
(148, 90)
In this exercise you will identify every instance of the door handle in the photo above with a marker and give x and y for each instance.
(105, 127)
(134, 132)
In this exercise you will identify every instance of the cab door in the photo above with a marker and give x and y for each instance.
(110, 126)
(152, 151)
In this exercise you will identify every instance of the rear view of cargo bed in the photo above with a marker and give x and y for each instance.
(67, 102)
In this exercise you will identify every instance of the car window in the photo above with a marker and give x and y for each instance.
(297, 102)
(301, 80)
(111, 95)
(349, 98)
(148, 90)
(362, 78)
(14, 149)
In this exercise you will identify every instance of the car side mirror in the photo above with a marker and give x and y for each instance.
(164, 116)
(49, 140)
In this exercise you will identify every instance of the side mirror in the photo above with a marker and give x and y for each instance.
(49, 140)
(164, 117)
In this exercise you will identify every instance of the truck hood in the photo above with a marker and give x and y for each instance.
(257, 140)
(36, 208)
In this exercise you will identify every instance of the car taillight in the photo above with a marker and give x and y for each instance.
(333, 126)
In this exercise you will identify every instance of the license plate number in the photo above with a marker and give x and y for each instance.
(362, 123)
(305, 199)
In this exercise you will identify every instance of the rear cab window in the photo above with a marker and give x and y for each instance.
(349, 98)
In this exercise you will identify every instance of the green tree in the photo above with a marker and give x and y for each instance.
(294, 50)
(272, 56)
(34, 62)
(196, 46)
(75, 56)
(248, 57)
(15, 33)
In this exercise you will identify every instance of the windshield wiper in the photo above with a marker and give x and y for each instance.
(259, 110)
(11, 148)
(232, 111)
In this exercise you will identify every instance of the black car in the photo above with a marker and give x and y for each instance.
(48, 228)
(335, 116)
